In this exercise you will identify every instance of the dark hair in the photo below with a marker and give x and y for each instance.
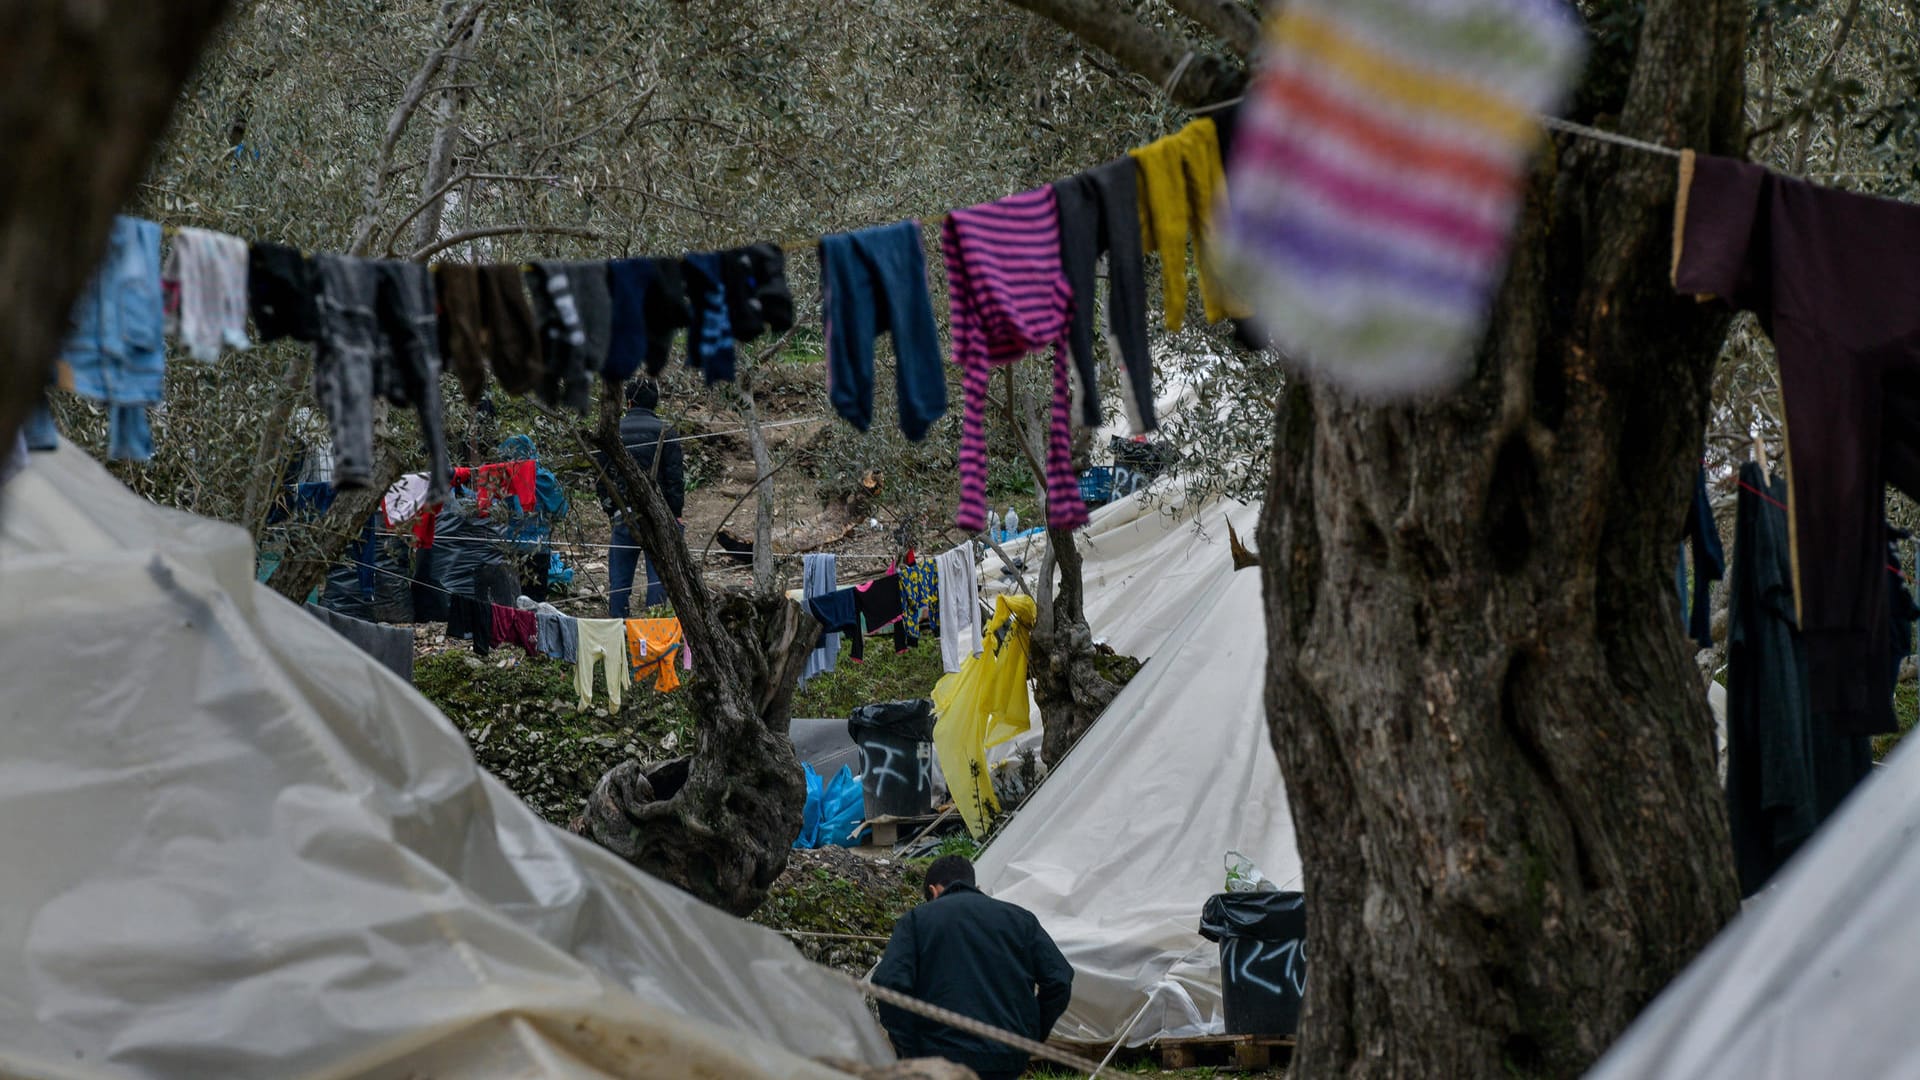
(643, 393)
(949, 870)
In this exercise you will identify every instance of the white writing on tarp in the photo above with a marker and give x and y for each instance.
(1126, 481)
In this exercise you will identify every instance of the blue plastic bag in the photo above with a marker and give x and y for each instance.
(810, 815)
(842, 808)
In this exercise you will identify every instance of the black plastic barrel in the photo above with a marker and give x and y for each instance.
(1263, 958)
(896, 753)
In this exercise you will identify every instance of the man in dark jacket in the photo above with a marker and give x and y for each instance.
(644, 435)
(979, 957)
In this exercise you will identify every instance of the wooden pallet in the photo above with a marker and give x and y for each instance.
(889, 830)
(1240, 1053)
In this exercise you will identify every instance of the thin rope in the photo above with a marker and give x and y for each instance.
(728, 431)
(1599, 135)
(1216, 106)
(583, 545)
(965, 1023)
(1554, 122)
(1179, 69)
(1121, 1039)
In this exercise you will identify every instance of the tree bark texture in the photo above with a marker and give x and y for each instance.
(1205, 75)
(88, 87)
(1067, 682)
(1235, 24)
(313, 551)
(1497, 751)
(723, 832)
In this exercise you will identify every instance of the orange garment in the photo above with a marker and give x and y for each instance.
(652, 647)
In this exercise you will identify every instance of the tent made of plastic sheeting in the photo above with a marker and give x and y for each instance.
(1145, 557)
(1121, 846)
(824, 744)
(1817, 976)
(237, 846)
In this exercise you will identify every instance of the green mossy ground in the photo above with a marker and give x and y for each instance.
(521, 716)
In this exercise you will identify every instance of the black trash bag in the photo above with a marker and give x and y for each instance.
(910, 719)
(1263, 916)
(896, 757)
(1263, 958)
(392, 598)
(471, 558)
(1145, 460)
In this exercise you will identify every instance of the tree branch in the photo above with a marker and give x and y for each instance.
(397, 121)
(745, 140)
(1205, 79)
(459, 238)
(1840, 34)
(572, 140)
(448, 104)
(1228, 20)
(458, 179)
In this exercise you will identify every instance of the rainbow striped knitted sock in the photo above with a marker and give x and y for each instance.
(1376, 171)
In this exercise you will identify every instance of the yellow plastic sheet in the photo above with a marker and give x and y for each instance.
(984, 704)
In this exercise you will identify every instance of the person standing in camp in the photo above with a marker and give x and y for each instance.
(644, 435)
(979, 957)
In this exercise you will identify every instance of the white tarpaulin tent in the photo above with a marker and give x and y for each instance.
(1817, 977)
(1124, 841)
(236, 846)
(1145, 557)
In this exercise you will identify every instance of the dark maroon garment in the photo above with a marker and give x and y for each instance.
(511, 626)
(1834, 277)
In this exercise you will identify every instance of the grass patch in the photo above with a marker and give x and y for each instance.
(1906, 703)
(525, 727)
(831, 891)
(523, 722)
(883, 676)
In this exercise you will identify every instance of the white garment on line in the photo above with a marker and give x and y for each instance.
(405, 498)
(959, 606)
(207, 305)
(604, 640)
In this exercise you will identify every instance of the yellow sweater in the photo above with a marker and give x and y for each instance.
(1181, 180)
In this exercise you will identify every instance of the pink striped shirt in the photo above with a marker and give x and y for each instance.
(1009, 297)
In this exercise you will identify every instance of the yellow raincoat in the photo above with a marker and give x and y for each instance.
(984, 704)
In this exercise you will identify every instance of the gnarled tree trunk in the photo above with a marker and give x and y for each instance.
(720, 822)
(1068, 685)
(1497, 751)
(1498, 757)
(86, 87)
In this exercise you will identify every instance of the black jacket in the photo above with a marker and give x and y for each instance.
(979, 957)
(642, 432)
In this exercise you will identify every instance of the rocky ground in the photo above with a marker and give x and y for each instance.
(839, 907)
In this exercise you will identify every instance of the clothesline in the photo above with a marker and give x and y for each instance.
(447, 592)
(584, 545)
(729, 431)
(1744, 486)
(1554, 122)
